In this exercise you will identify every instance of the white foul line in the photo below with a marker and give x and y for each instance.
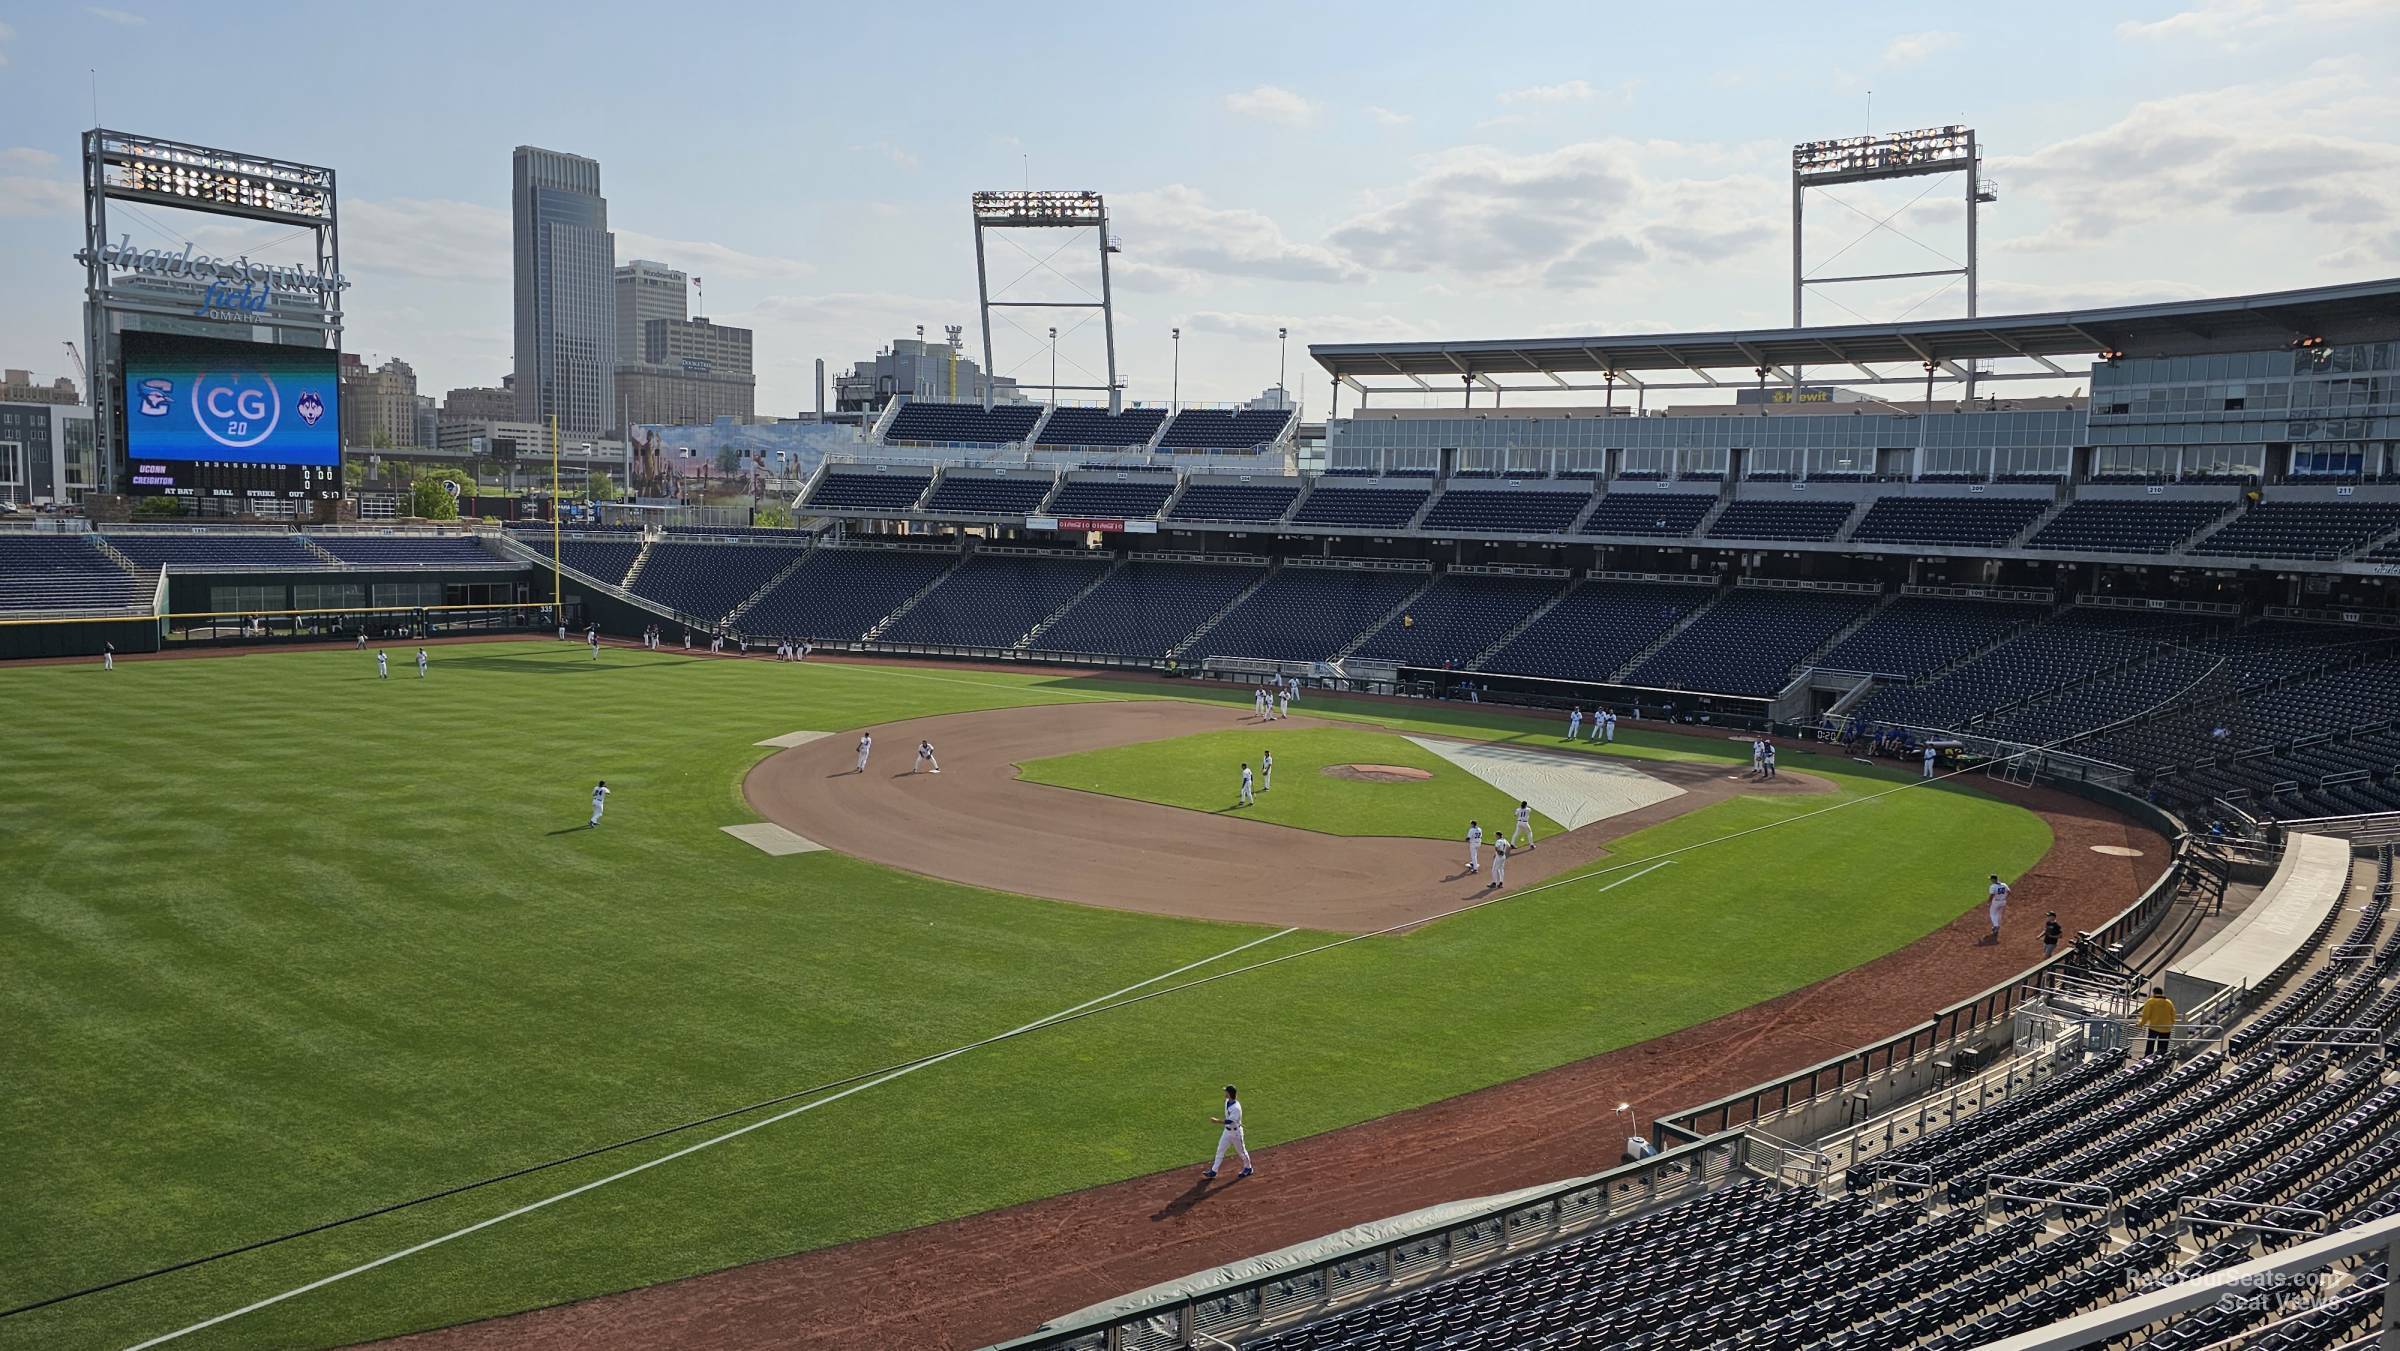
(687, 1149)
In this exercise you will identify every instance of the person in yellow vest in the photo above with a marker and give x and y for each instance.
(2158, 1020)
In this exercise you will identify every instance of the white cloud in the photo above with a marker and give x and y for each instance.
(1385, 117)
(1272, 103)
(440, 240)
(1572, 91)
(1176, 230)
(123, 18)
(22, 196)
(1477, 209)
(27, 157)
(1910, 48)
(2227, 22)
(2276, 168)
(1503, 120)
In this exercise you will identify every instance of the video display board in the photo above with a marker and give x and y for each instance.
(205, 417)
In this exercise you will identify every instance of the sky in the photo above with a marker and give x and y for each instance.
(1349, 172)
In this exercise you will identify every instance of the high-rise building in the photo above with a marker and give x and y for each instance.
(690, 371)
(913, 368)
(25, 387)
(379, 405)
(482, 403)
(645, 291)
(566, 262)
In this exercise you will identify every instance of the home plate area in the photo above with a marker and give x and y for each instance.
(1573, 790)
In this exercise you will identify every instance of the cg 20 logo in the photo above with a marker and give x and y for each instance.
(237, 408)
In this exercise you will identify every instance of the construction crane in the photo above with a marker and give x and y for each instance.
(81, 371)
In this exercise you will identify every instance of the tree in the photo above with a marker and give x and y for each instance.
(604, 489)
(429, 499)
(772, 515)
(159, 507)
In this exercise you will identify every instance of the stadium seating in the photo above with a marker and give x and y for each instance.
(2303, 530)
(1915, 636)
(1015, 495)
(1595, 629)
(2125, 525)
(606, 559)
(868, 490)
(1500, 511)
(962, 423)
(1748, 642)
(66, 573)
(838, 594)
(1957, 522)
(367, 550)
(1460, 616)
(1653, 514)
(765, 532)
(992, 600)
(1108, 499)
(198, 552)
(1360, 508)
(1144, 608)
(1306, 614)
(1238, 502)
(1223, 429)
(1069, 427)
(1781, 520)
(2059, 651)
(708, 580)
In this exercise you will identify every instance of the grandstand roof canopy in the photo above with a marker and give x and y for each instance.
(2028, 344)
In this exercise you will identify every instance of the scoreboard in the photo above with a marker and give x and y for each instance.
(205, 417)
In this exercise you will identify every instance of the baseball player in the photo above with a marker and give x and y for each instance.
(1608, 724)
(866, 743)
(1246, 798)
(1499, 865)
(383, 664)
(1258, 704)
(420, 663)
(362, 637)
(1574, 722)
(1930, 757)
(2051, 932)
(925, 758)
(1998, 909)
(592, 636)
(599, 804)
(108, 656)
(1266, 765)
(1474, 846)
(1768, 765)
(1599, 724)
(1229, 1138)
(1758, 758)
(687, 640)
(1283, 703)
(1523, 834)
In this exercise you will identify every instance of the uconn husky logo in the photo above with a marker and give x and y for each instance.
(237, 408)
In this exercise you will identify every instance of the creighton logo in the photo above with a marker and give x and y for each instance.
(155, 394)
(311, 407)
(237, 408)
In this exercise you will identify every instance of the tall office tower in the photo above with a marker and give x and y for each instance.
(645, 291)
(566, 263)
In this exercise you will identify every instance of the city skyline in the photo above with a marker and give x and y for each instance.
(1640, 186)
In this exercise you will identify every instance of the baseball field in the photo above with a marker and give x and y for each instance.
(281, 943)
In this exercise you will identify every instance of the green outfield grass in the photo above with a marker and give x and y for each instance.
(279, 942)
(1203, 773)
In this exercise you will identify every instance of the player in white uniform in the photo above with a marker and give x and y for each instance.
(1499, 865)
(383, 664)
(599, 804)
(1523, 834)
(1998, 908)
(1608, 723)
(1246, 798)
(1258, 704)
(1930, 756)
(1474, 846)
(1599, 724)
(866, 743)
(108, 656)
(925, 759)
(1574, 722)
(594, 638)
(1229, 1138)
(1266, 765)
(1283, 704)
(1769, 766)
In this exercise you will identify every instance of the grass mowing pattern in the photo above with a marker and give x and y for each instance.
(281, 942)
(1203, 773)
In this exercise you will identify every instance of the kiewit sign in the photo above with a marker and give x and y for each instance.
(239, 272)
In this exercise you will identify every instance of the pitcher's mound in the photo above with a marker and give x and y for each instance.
(1378, 773)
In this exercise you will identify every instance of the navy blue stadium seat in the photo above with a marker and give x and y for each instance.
(962, 423)
(53, 573)
(1306, 613)
(1806, 520)
(1071, 427)
(367, 550)
(197, 552)
(992, 600)
(837, 594)
(856, 489)
(708, 580)
(1111, 499)
(1223, 429)
(1460, 616)
(2126, 525)
(1363, 508)
(1009, 495)
(1236, 502)
(1532, 512)
(1960, 522)
(1654, 514)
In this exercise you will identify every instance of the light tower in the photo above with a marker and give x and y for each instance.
(1898, 154)
(1047, 210)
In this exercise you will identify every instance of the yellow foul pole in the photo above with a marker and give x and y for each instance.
(558, 589)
